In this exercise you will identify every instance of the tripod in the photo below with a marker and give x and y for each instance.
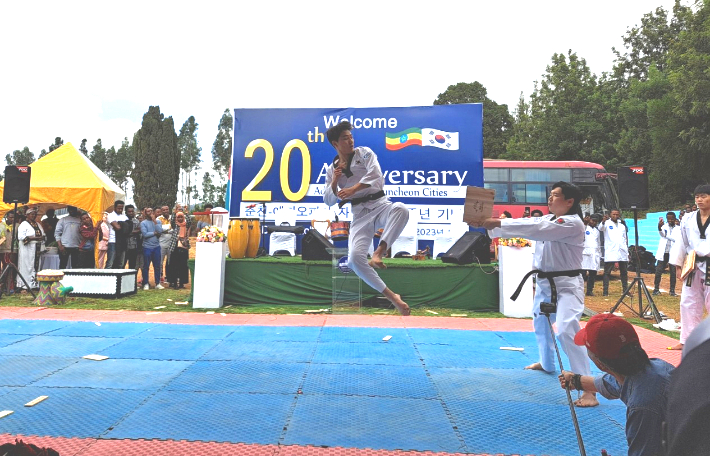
(638, 281)
(262, 248)
(11, 265)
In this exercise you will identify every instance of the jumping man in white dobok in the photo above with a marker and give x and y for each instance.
(355, 177)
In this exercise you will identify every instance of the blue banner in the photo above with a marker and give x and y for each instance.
(428, 156)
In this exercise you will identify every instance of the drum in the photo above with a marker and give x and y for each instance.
(237, 237)
(254, 236)
(339, 231)
(49, 275)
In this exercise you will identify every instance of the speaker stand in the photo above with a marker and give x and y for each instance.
(262, 248)
(642, 289)
(10, 266)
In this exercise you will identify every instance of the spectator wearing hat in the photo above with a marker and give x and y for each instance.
(641, 383)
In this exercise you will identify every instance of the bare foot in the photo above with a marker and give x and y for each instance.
(588, 399)
(535, 367)
(376, 262)
(400, 305)
(676, 347)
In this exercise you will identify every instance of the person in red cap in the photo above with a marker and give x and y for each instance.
(641, 383)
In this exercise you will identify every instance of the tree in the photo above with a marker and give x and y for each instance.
(564, 119)
(189, 156)
(157, 160)
(58, 142)
(222, 146)
(82, 148)
(99, 157)
(497, 121)
(20, 157)
(212, 194)
(121, 164)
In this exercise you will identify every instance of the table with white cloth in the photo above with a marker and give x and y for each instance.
(48, 261)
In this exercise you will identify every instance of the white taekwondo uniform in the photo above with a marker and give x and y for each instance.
(592, 250)
(697, 295)
(368, 216)
(559, 248)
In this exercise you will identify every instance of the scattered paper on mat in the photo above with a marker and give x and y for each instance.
(210, 312)
(95, 357)
(517, 349)
(668, 325)
(478, 205)
(97, 323)
(223, 314)
(386, 338)
(5, 413)
(36, 401)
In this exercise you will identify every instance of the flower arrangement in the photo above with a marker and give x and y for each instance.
(211, 234)
(515, 242)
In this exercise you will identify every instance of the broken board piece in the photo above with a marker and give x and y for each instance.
(36, 401)
(432, 312)
(386, 338)
(180, 303)
(459, 315)
(5, 413)
(159, 307)
(95, 357)
(517, 349)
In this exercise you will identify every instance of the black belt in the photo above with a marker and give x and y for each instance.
(356, 201)
(707, 268)
(550, 276)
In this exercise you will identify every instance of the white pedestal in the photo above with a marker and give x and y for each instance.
(514, 263)
(208, 283)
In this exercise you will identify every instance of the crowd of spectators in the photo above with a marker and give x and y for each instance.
(123, 238)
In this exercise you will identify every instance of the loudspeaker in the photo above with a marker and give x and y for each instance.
(17, 184)
(472, 246)
(314, 245)
(633, 187)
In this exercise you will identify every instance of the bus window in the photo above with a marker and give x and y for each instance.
(530, 193)
(501, 192)
(540, 175)
(495, 175)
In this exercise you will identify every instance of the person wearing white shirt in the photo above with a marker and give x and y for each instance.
(592, 252)
(355, 176)
(694, 236)
(558, 263)
(616, 248)
(663, 252)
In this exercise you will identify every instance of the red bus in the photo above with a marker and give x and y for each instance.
(526, 185)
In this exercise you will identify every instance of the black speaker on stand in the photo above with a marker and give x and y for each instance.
(17, 190)
(314, 245)
(633, 194)
(471, 247)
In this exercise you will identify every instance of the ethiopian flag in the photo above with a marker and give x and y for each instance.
(399, 140)
(422, 137)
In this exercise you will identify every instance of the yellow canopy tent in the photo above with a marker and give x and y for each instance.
(65, 177)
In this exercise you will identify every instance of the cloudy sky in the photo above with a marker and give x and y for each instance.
(91, 69)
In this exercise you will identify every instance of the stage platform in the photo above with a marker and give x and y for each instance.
(292, 385)
(292, 281)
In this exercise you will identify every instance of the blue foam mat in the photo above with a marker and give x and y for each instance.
(122, 374)
(241, 377)
(102, 329)
(12, 326)
(61, 346)
(219, 417)
(372, 422)
(167, 349)
(425, 390)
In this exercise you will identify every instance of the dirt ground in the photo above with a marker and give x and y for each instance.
(665, 303)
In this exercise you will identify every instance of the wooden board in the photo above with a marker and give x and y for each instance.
(688, 265)
(479, 204)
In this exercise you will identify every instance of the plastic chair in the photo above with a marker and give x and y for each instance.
(283, 242)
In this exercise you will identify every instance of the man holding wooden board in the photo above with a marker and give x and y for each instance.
(558, 264)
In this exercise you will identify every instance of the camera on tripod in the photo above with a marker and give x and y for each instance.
(548, 308)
